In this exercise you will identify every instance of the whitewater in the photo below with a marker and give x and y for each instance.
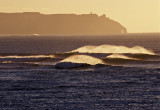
(80, 72)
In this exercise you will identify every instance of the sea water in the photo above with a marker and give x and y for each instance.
(80, 71)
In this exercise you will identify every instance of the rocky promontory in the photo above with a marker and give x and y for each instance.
(37, 23)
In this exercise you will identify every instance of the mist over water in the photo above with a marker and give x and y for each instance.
(113, 49)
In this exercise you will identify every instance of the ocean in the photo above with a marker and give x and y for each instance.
(80, 72)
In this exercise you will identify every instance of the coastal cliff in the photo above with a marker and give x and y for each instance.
(37, 23)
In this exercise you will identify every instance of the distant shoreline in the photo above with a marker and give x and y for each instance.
(65, 24)
(90, 36)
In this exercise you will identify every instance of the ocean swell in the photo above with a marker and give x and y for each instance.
(113, 49)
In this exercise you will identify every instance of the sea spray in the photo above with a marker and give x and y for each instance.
(83, 59)
(113, 49)
(121, 56)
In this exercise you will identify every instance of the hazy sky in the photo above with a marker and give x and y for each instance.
(135, 15)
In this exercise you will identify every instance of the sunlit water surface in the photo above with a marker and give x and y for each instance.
(128, 77)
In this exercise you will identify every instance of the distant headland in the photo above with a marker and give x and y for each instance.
(37, 23)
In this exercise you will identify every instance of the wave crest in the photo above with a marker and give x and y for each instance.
(83, 59)
(113, 49)
(120, 56)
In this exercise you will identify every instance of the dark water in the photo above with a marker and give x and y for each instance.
(101, 88)
(28, 50)
(30, 81)
(47, 44)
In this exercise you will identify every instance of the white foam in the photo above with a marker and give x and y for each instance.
(120, 56)
(113, 49)
(30, 56)
(83, 59)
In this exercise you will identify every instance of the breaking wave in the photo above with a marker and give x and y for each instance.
(113, 49)
(84, 56)
(120, 56)
(29, 56)
(83, 59)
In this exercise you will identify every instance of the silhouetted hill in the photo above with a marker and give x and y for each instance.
(36, 23)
